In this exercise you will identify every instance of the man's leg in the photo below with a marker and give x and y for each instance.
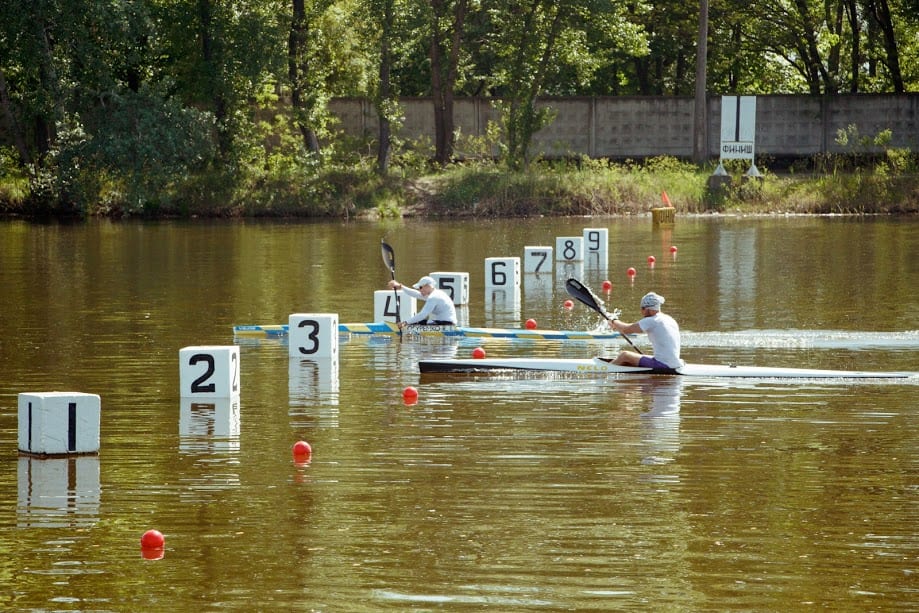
(627, 358)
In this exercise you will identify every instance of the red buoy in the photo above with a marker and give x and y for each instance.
(478, 353)
(630, 272)
(568, 304)
(530, 324)
(152, 553)
(152, 539)
(607, 286)
(302, 450)
(409, 392)
(651, 260)
(672, 248)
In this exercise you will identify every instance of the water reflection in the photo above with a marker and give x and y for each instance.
(660, 424)
(502, 308)
(736, 276)
(209, 440)
(313, 387)
(58, 492)
(211, 425)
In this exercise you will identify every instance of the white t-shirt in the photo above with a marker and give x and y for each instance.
(437, 306)
(664, 334)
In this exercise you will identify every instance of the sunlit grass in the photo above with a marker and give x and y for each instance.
(486, 189)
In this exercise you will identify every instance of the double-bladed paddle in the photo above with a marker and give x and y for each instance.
(389, 260)
(583, 294)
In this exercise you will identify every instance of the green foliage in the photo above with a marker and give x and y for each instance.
(156, 107)
(141, 148)
(579, 187)
(14, 182)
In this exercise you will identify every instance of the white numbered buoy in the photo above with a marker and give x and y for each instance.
(209, 371)
(313, 335)
(596, 247)
(569, 248)
(537, 260)
(456, 284)
(596, 240)
(59, 423)
(502, 273)
(384, 305)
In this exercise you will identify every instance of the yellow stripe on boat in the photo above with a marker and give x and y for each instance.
(390, 328)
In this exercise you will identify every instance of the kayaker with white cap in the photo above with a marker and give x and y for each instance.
(663, 332)
(438, 307)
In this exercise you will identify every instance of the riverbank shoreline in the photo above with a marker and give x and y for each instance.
(588, 189)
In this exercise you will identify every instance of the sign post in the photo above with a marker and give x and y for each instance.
(738, 131)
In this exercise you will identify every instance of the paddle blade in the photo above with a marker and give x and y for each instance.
(389, 260)
(583, 294)
(389, 257)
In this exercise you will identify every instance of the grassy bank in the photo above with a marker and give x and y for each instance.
(579, 187)
(602, 188)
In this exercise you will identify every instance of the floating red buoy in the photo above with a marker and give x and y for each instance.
(607, 286)
(152, 553)
(409, 393)
(530, 324)
(673, 249)
(478, 353)
(302, 450)
(630, 272)
(152, 539)
(568, 305)
(651, 260)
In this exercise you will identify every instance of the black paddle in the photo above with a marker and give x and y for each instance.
(583, 294)
(389, 260)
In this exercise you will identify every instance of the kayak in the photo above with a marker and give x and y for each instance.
(390, 328)
(599, 366)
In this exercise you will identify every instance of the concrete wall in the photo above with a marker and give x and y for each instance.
(639, 126)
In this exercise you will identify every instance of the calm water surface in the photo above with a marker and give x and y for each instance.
(501, 493)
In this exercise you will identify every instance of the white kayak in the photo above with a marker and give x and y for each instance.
(599, 366)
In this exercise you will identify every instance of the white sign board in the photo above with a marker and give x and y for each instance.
(738, 127)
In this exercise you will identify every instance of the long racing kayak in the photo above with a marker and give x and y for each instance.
(599, 366)
(390, 328)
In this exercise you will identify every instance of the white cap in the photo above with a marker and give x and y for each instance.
(423, 281)
(652, 301)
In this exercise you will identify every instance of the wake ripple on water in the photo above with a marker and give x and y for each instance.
(803, 339)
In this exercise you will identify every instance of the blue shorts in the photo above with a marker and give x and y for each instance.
(651, 362)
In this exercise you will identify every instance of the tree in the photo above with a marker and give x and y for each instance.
(879, 11)
(447, 25)
(302, 73)
(537, 41)
(700, 111)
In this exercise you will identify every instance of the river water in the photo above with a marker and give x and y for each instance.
(503, 493)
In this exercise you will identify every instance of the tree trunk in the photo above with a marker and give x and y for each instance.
(700, 115)
(12, 125)
(856, 57)
(443, 76)
(880, 10)
(296, 47)
(46, 120)
(384, 103)
(211, 61)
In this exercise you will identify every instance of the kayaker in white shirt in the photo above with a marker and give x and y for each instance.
(438, 307)
(663, 332)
